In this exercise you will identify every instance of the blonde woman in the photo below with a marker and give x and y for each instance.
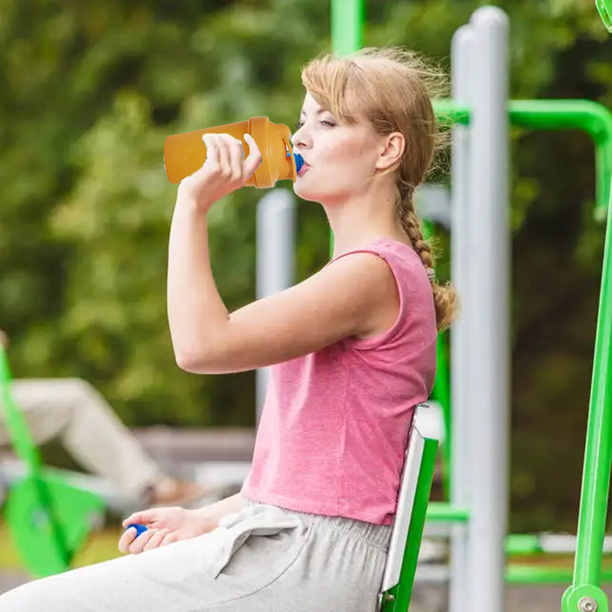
(352, 351)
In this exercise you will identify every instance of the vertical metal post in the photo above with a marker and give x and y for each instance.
(489, 291)
(346, 26)
(462, 390)
(275, 258)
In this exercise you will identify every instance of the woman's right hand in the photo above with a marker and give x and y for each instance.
(164, 526)
(224, 170)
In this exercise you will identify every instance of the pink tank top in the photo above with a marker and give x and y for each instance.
(334, 426)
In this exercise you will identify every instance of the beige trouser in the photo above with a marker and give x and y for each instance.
(72, 411)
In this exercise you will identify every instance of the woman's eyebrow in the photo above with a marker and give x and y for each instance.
(321, 110)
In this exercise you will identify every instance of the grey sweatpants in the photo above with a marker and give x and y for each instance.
(262, 559)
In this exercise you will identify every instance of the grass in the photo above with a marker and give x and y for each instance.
(102, 546)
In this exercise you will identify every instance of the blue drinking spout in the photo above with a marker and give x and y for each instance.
(299, 160)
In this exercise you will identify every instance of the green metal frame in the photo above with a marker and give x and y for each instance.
(584, 595)
(49, 519)
(605, 12)
(441, 391)
(591, 117)
(595, 120)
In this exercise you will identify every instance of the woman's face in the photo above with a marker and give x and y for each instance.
(339, 158)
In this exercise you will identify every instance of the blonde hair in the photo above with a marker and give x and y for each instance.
(392, 88)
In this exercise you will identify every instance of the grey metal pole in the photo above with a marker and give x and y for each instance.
(275, 258)
(489, 291)
(462, 51)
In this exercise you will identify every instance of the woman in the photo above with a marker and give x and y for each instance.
(353, 350)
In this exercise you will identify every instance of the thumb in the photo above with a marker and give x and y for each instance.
(143, 517)
(252, 162)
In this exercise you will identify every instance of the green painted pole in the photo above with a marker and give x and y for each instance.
(585, 594)
(441, 392)
(597, 457)
(347, 23)
(347, 20)
(605, 12)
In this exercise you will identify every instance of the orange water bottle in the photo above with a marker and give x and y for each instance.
(186, 153)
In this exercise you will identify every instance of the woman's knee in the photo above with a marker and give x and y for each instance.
(33, 597)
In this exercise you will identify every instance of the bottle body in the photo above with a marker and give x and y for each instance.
(186, 153)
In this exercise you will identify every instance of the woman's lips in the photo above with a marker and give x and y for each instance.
(303, 169)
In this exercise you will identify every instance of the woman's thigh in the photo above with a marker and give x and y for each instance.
(174, 578)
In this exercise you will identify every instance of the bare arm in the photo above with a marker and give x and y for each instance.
(344, 299)
(215, 512)
(354, 296)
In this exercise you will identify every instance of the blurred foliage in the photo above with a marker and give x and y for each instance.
(89, 91)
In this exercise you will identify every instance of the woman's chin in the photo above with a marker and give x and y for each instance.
(305, 192)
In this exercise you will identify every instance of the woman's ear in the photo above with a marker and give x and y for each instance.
(392, 151)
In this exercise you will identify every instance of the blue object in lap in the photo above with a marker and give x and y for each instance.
(140, 529)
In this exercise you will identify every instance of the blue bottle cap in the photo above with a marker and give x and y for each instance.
(299, 161)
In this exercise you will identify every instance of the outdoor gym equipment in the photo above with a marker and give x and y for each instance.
(49, 520)
(585, 594)
(480, 257)
(186, 153)
(605, 12)
(407, 532)
(480, 233)
(596, 121)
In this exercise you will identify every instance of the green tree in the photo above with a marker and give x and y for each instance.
(88, 93)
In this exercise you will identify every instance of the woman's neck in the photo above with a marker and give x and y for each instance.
(359, 221)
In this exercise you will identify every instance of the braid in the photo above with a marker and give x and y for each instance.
(445, 298)
(412, 226)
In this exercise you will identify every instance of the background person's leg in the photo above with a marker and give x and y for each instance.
(72, 411)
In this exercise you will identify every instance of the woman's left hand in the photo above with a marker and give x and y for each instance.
(224, 170)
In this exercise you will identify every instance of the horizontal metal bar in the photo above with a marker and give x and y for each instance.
(443, 512)
(515, 574)
(586, 115)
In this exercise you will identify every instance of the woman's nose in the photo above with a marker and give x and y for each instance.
(299, 140)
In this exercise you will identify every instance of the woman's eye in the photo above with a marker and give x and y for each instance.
(300, 124)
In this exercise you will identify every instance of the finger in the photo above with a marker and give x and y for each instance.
(251, 163)
(170, 538)
(236, 153)
(156, 540)
(142, 517)
(138, 545)
(127, 537)
(224, 156)
(212, 153)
